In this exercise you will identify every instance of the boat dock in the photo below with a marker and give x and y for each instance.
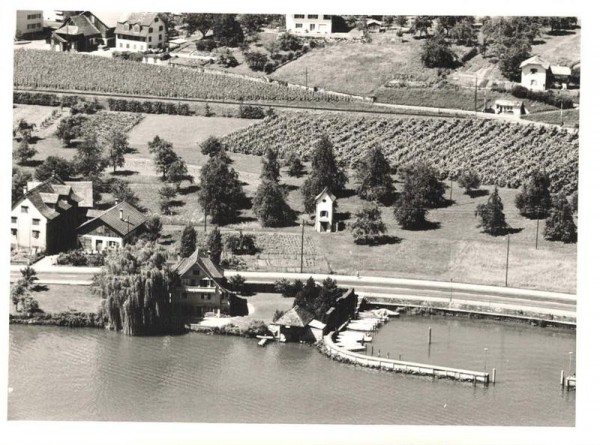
(337, 352)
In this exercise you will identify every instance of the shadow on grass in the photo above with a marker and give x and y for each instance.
(32, 163)
(342, 216)
(289, 187)
(506, 231)
(125, 173)
(40, 288)
(177, 203)
(445, 203)
(381, 241)
(346, 193)
(192, 188)
(477, 193)
(428, 225)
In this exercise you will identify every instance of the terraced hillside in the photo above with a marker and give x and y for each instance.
(502, 153)
(81, 72)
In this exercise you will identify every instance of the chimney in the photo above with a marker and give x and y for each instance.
(121, 214)
(25, 189)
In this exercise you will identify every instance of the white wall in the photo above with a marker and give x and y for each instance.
(24, 226)
(105, 242)
(533, 77)
(154, 39)
(30, 21)
(325, 204)
(303, 26)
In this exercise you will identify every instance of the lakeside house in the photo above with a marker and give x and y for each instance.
(82, 32)
(112, 228)
(46, 217)
(141, 31)
(538, 75)
(325, 211)
(202, 290)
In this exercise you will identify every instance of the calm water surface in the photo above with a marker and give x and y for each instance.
(88, 374)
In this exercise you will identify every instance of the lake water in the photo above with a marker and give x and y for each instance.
(88, 374)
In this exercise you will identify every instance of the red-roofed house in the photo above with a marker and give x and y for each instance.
(141, 31)
(46, 217)
(111, 228)
(203, 289)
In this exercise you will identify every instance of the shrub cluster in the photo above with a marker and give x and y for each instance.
(149, 107)
(547, 97)
(251, 112)
(80, 258)
(45, 99)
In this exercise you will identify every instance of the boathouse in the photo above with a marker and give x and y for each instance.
(294, 325)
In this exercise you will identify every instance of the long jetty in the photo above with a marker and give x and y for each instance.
(386, 364)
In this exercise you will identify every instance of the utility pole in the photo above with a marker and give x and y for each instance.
(306, 78)
(475, 96)
(562, 121)
(507, 253)
(204, 219)
(537, 228)
(302, 249)
(450, 189)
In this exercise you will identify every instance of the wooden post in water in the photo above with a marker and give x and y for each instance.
(562, 378)
(388, 355)
(494, 376)
(429, 337)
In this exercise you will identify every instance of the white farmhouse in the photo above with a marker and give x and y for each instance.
(308, 24)
(534, 73)
(325, 211)
(141, 31)
(29, 22)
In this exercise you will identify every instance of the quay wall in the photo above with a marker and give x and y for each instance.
(329, 348)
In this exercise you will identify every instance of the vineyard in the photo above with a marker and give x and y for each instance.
(502, 153)
(80, 72)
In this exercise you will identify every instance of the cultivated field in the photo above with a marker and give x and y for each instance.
(502, 153)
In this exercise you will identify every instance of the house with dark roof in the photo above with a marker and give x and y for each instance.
(295, 325)
(46, 217)
(82, 32)
(141, 31)
(203, 289)
(112, 228)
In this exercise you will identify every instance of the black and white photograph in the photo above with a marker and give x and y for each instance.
(267, 217)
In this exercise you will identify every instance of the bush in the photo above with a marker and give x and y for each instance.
(251, 112)
(256, 60)
(80, 258)
(234, 263)
(242, 244)
(547, 97)
(206, 45)
(237, 283)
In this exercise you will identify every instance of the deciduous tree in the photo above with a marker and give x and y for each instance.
(118, 146)
(89, 161)
(270, 165)
(469, 180)
(189, 238)
(368, 227)
(54, 165)
(534, 200)
(24, 152)
(374, 174)
(70, 127)
(270, 206)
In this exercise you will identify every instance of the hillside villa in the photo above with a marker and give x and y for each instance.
(82, 32)
(308, 24)
(141, 31)
(538, 75)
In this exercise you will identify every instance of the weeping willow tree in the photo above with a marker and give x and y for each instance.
(136, 285)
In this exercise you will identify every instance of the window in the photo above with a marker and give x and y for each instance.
(313, 16)
(151, 29)
(312, 26)
(298, 16)
(196, 272)
(34, 222)
(24, 209)
(13, 232)
(533, 70)
(324, 200)
(160, 37)
(327, 17)
(208, 297)
(324, 213)
(192, 282)
(13, 219)
(128, 46)
(156, 19)
(121, 45)
(298, 25)
(160, 28)
(35, 234)
(150, 39)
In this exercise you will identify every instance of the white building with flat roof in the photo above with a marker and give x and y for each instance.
(29, 22)
(308, 24)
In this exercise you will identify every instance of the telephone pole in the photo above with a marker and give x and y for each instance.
(475, 96)
(507, 253)
(302, 249)
(306, 78)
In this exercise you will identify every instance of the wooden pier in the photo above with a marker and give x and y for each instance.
(569, 382)
(386, 364)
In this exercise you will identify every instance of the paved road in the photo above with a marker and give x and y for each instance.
(492, 297)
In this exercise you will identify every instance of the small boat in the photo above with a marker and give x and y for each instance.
(263, 341)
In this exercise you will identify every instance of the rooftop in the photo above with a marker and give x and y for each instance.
(123, 218)
(296, 317)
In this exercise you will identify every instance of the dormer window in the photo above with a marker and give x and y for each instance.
(156, 19)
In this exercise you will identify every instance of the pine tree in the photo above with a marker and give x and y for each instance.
(270, 206)
(189, 239)
(270, 166)
(221, 193)
(325, 173)
(535, 200)
(560, 225)
(214, 244)
(492, 215)
(368, 226)
(376, 183)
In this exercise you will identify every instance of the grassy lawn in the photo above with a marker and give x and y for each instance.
(264, 305)
(570, 117)
(561, 49)
(359, 68)
(59, 298)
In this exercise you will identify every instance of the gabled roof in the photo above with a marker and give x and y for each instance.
(143, 19)
(558, 70)
(78, 24)
(51, 197)
(535, 60)
(509, 103)
(84, 191)
(296, 317)
(326, 191)
(132, 219)
(210, 268)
